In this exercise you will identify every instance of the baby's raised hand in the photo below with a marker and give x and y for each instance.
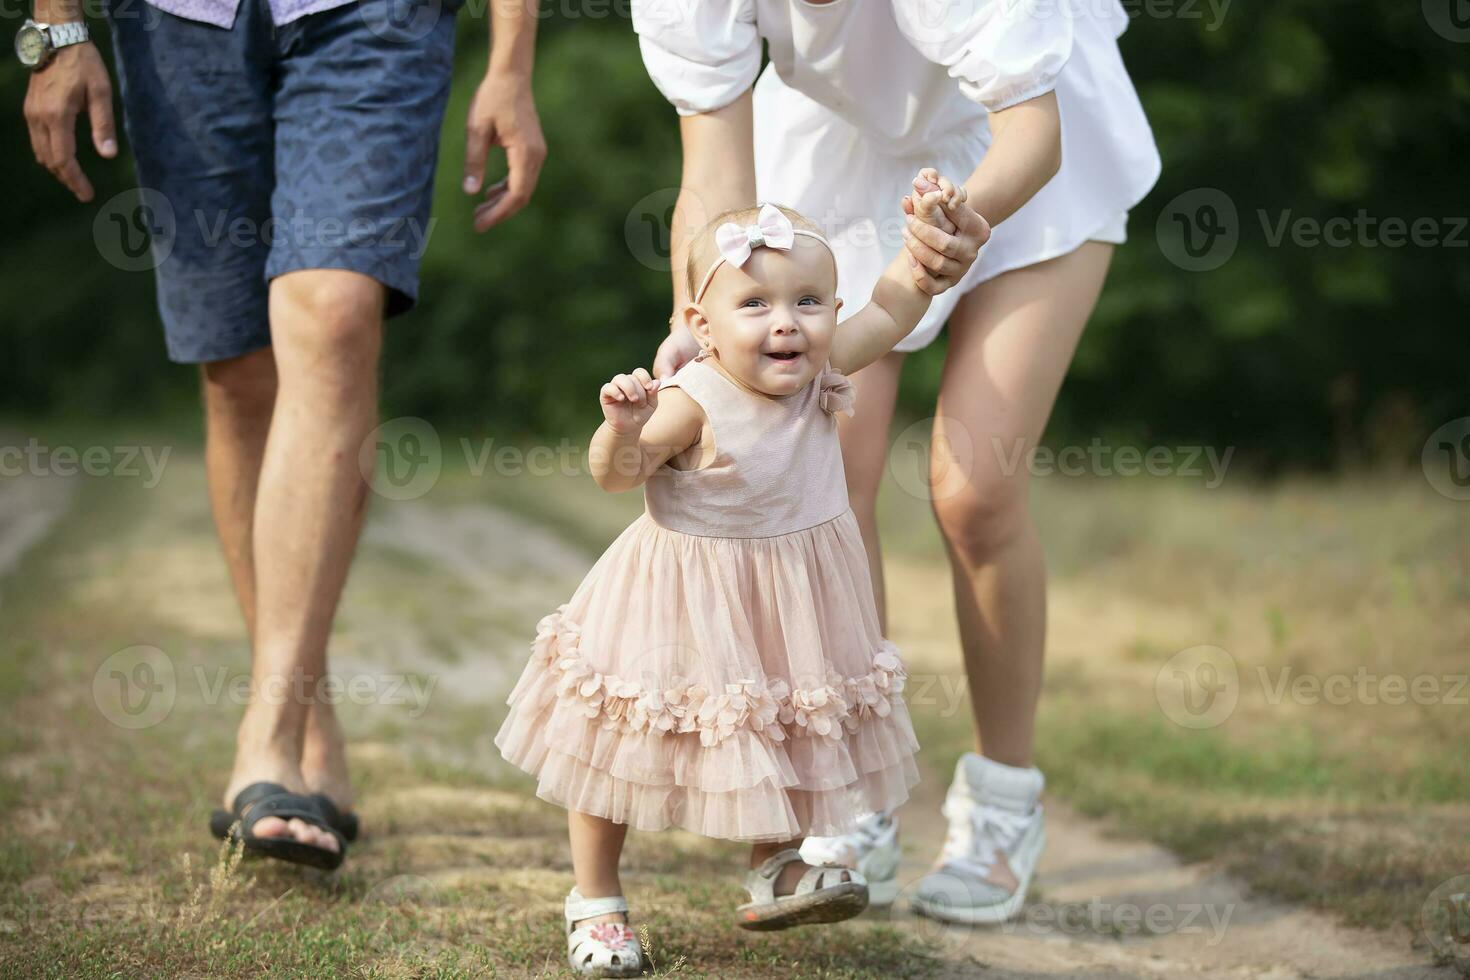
(628, 401)
(942, 234)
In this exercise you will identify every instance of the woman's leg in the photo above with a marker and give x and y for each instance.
(865, 454)
(1011, 340)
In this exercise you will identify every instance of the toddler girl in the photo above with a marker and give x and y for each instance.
(721, 668)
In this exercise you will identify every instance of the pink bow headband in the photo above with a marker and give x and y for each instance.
(771, 229)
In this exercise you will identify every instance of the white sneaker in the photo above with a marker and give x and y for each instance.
(996, 835)
(871, 850)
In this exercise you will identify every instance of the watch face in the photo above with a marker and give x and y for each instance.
(30, 45)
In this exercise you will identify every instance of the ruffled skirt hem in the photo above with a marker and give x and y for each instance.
(757, 761)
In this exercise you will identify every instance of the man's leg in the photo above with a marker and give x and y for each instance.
(239, 397)
(239, 400)
(326, 329)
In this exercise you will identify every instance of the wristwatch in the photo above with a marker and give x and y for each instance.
(36, 43)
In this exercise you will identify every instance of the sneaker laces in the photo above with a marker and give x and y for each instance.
(850, 846)
(978, 832)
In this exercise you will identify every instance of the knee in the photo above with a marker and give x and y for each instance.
(326, 317)
(241, 387)
(984, 517)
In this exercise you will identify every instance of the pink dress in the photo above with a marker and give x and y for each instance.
(721, 668)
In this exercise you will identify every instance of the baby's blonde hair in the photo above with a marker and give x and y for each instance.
(702, 245)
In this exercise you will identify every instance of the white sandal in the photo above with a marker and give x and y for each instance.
(603, 949)
(825, 893)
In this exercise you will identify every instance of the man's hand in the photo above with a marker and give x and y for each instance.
(678, 349)
(503, 113)
(74, 80)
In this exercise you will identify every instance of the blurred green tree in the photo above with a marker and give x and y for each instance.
(1302, 355)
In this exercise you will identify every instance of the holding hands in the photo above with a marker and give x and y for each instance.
(943, 235)
(628, 401)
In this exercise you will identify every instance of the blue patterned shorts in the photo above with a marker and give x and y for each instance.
(273, 149)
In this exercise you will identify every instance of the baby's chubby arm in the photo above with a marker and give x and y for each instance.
(641, 431)
(903, 292)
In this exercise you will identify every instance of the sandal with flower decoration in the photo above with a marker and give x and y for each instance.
(823, 894)
(603, 949)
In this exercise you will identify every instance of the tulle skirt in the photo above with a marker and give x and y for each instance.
(739, 688)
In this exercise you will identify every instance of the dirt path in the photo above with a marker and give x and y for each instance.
(1105, 906)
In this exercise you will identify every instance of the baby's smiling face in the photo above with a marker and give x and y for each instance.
(771, 321)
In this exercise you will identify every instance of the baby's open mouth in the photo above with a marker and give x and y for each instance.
(784, 355)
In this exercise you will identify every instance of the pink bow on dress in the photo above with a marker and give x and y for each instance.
(837, 392)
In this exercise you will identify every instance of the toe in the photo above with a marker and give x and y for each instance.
(270, 827)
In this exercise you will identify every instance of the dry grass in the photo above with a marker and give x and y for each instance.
(106, 869)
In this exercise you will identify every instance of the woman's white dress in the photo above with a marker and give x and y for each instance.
(860, 94)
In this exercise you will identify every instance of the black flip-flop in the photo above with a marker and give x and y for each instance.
(344, 823)
(273, 800)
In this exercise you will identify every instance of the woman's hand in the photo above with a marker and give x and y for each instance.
(946, 247)
(678, 349)
(628, 401)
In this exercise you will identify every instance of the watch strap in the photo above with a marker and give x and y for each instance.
(65, 34)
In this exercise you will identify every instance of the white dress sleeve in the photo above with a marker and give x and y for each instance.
(1001, 51)
(701, 54)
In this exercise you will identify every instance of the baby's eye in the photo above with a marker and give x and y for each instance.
(809, 301)
(752, 304)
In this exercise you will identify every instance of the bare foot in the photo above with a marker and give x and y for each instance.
(324, 757)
